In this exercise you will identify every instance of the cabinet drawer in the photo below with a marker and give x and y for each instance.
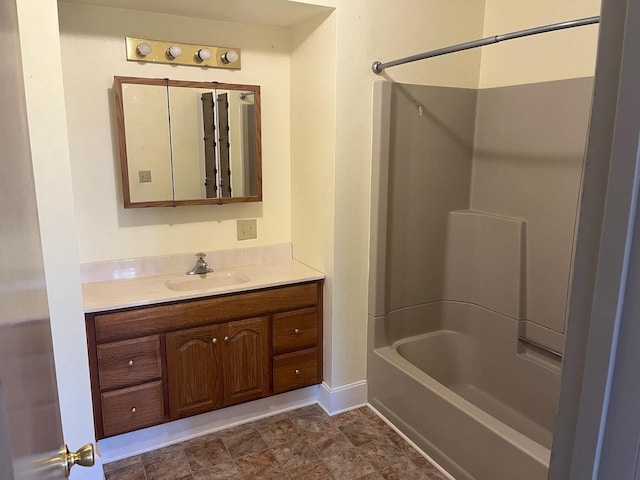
(295, 330)
(295, 370)
(129, 362)
(161, 318)
(132, 408)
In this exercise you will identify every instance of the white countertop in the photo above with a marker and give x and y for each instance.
(147, 290)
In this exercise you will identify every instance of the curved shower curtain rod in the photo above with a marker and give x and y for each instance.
(378, 67)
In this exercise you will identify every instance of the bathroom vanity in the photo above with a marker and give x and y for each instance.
(167, 360)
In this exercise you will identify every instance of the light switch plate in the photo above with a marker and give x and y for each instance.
(247, 229)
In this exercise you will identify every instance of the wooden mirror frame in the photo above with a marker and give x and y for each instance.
(122, 141)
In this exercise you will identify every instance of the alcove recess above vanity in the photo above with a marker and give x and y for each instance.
(188, 143)
(158, 354)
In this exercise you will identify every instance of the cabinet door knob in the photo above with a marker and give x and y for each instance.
(296, 331)
(214, 340)
(226, 339)
(297, 371)
(130, 363)
(133, 410)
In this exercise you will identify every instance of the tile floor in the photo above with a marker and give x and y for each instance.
(303, 444)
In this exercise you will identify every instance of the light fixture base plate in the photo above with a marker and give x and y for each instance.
(189, 55)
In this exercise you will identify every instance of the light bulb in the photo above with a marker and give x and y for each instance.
(143, 49)
(203, 54)
(174, 51)
(230, 57)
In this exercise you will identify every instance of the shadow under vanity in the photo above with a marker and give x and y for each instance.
(158, 355)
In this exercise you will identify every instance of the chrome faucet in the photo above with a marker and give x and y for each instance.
(201, 266)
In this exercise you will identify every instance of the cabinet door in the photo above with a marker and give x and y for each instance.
(194, 358)
(246, 360)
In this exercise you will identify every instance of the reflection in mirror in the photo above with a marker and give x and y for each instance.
(206, 165)
(208, 151)
(191, 134)
(236, 119)
(147, 132)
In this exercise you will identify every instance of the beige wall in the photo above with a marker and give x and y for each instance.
(313, 110)
(553, 56)
(332, 87)
(93, 52)
(369, 31)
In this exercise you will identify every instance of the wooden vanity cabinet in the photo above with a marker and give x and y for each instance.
(154, 364)
(194, 371)
(245, 360)
(295, 339)
(221, 365)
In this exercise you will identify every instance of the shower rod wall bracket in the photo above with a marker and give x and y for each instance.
(378, 67)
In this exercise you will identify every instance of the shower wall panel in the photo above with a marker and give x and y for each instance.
(430, 158)
(528, 157)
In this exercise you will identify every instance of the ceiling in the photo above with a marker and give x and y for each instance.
(283, 13)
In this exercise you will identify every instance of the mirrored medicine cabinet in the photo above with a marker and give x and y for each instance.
(188, 143)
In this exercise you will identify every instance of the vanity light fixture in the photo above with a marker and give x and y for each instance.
(203, 56)
(174, 51)
(143, 49)
(229, 57)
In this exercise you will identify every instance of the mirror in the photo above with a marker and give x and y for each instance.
(188, 143)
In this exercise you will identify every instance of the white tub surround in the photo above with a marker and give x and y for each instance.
(473, 210)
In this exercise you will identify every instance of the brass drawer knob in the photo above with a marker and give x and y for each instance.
(214, 340)
(297, 371)
(131, 363)
(133, 410)
(296, 331)
(226, 339)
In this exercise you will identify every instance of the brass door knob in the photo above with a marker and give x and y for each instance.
(84, 457)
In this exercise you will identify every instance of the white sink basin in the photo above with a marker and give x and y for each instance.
(205, 282)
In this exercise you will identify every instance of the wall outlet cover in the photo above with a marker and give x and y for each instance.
(144, 176)
(247, 229)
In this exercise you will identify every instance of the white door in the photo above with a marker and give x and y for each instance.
(30, 428)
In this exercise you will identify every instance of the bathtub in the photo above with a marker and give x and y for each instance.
(455, 379)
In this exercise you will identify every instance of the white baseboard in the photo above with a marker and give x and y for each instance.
(134, 443)
(341, 399)
(332, 400)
